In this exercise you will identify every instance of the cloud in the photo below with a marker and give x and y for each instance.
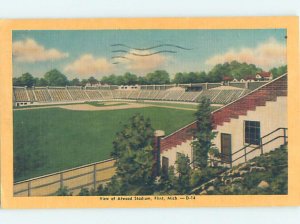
(144, 64)
(266, 55)
(87, 65)
(29, 50)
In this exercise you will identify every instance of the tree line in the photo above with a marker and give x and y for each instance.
(233, 70)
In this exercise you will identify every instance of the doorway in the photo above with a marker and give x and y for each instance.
(226, 147)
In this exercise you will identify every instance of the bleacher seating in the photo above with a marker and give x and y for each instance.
(78, 94)
(173, 94)
(238, 94)
(209, 94)
(189, 96)
(223, 94)
(134, 94)
(144, 94)
(42, 95)
(94, 94)
(106, 94)
(60, 94)
(20, 94)
(217, 95)
(161, 94)
(31, 95)
(153, 94)
(223, 97)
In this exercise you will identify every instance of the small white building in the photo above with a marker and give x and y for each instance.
(264, 76)
(129, 87)
(253, 124)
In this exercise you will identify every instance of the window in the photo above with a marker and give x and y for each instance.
(252, 132)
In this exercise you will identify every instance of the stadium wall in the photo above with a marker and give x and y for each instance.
(267, 105)
(88, 176)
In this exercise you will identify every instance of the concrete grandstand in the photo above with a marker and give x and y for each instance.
(218, 93)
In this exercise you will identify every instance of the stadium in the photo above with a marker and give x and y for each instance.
(72, 101)
(73, 127)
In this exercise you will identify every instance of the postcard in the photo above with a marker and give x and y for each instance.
(149, 112)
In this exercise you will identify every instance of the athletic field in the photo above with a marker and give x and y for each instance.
(73, 135)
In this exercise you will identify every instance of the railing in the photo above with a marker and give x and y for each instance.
(90, 176)
(254, 148)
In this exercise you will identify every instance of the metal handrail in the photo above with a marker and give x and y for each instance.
(246, 146)
(255, 148)
(273, 132)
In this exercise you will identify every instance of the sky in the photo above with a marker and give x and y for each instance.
(84, 53)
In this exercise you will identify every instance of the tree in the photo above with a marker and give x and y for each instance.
(55, 78)
(234, 69)
(192, 77)
(184, 173)
(74, 82)
(41, 82)
(120, 80)
(158, 77)
(179, 78)
(27, 79)
(110, 80)
(17, 82)
(142, 80)
(167, 184)
(133, 152)
(92, 80)
(130, 79)
(63, 191)
(84, 192)
(202, 77)
(114, 187)
(203, 134)
(84, 82)
(278, 71)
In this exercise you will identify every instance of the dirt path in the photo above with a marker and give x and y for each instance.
(172, 107)
(86, 107)
(39, 107)
(110, 106)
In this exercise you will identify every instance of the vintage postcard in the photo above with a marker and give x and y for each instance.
(149, 112)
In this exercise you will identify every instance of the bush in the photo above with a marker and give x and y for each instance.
(196, 177)
(63, 191)
(84, 192)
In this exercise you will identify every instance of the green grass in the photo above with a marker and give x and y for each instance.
(179, 105)
(46, 105)
(69, 138)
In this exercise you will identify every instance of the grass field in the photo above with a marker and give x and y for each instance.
(180, 105)
(71, 138)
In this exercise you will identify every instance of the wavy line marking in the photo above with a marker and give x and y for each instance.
(143, 55)
(149, 48)
(122, 57)
(157, 52)
(119, 51)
